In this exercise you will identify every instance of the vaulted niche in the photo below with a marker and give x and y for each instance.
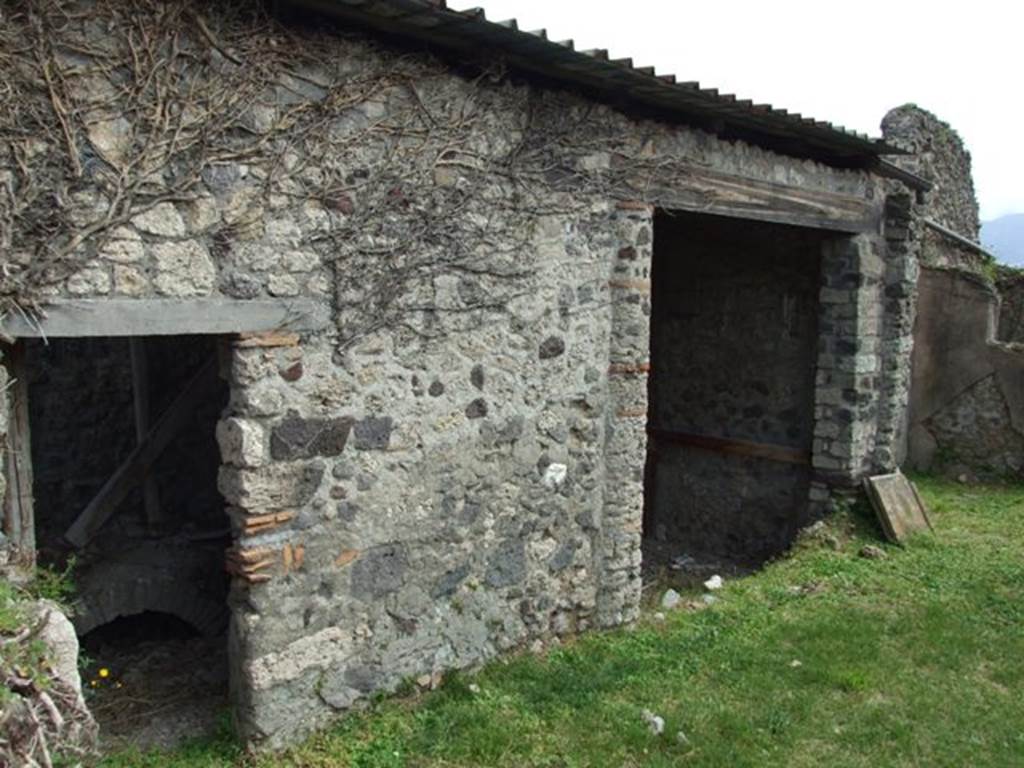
(733, 352)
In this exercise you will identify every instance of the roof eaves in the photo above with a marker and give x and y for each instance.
(616, 81)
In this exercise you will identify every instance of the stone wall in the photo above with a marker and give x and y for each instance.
(1010, 285)
(454, 468)
(967, 401)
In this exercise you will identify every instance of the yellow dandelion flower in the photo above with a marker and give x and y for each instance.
(104, 672)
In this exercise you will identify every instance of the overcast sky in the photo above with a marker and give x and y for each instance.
(846, 62)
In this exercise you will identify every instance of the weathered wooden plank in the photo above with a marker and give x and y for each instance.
(167, 317)
(133, 469)
(19, 512)
(900, 510)
(140, 393)
(779, 453)
(701, 190)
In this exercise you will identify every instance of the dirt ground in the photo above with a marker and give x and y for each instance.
(151, 688)
(666, 565)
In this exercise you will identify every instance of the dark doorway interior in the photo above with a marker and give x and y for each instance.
(150, 582)
(733, 350)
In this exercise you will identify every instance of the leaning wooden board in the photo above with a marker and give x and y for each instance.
(898, 506)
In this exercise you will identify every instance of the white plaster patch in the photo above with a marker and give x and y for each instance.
(555, 476)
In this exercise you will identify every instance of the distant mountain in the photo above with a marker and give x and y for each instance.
(1005, 238)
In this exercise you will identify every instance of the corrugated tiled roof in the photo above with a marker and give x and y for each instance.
(638, 90)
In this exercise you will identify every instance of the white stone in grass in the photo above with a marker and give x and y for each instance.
(715, 582)
(682, 739)
(709, 599)
(654, 723)
(796, 663)
(671, 600)
(474, 688)
(659, 616)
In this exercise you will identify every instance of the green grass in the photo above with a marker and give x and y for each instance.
(914, 660)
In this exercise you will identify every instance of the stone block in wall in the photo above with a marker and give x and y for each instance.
(372, 433)
(130, 281)
(302, 438)
(123, 246)
(242, 442)
(379, 571)
(162, 219)
(272, 487)
(323, 650)
(89, 281)
(258, 401)
(183, 269)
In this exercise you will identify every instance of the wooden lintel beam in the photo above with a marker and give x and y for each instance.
(702, 190)
(133, 470)
(78, 318)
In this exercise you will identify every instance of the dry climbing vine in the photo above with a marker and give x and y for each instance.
(109, 108)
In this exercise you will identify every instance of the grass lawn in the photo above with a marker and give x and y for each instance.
(823, 659)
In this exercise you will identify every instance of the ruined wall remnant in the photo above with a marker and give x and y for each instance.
(452, 467)
(967, 401)
(938, 154)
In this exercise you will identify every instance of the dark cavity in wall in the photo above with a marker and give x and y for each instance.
(150, 583)
(733, 352)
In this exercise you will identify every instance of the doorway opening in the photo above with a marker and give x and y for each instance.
(734, 345)
(124, 486)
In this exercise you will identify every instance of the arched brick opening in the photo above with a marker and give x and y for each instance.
(174, 577)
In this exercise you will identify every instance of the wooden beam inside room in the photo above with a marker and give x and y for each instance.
(140, 396)
(134, 469)
(19, 509)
